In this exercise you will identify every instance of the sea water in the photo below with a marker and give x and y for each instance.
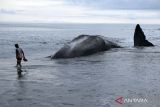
(91, 81)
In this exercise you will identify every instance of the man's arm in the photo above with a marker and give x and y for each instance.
(23, 54)
(16, 53)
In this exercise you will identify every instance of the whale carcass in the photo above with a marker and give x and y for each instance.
(84, 45)
(140, 38)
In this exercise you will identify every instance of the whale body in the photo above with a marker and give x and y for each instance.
(140, 38)
(84, 45)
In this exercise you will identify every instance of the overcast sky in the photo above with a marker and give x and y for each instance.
(81, 11)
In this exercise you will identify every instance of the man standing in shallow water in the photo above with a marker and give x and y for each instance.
(19, 55)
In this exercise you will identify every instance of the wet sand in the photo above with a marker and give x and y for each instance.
(93, 81)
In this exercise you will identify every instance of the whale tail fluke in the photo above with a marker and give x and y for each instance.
(140, 38)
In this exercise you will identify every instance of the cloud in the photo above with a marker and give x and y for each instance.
(5, 11)
(118, 4)
(81, 11)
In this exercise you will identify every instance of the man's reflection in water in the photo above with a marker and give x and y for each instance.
(19, 72)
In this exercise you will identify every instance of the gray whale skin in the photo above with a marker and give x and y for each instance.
(84, 45)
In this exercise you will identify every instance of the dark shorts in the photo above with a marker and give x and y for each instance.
(19, 59)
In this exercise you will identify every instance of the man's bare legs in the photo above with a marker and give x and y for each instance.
(19, 63)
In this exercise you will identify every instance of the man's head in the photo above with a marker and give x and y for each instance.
(16, 45)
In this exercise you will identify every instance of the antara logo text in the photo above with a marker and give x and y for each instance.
(121, 100)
